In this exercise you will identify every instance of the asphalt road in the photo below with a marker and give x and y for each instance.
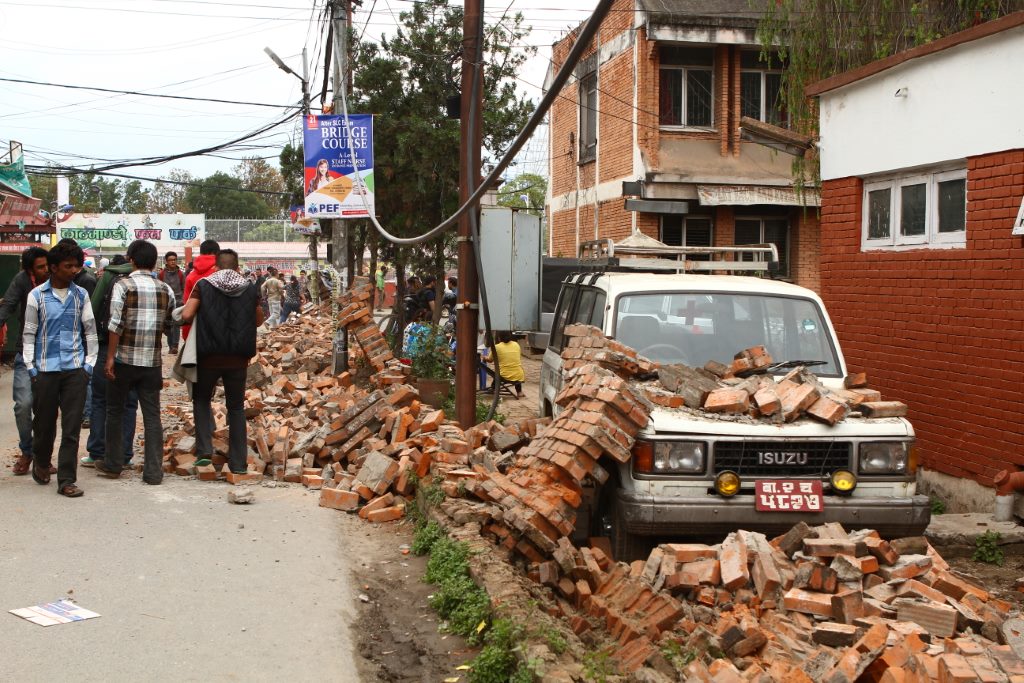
(189, 586)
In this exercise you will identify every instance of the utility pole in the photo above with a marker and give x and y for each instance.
(466, 360)
(340, 10)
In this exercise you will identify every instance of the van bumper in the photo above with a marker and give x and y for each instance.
(647, 515)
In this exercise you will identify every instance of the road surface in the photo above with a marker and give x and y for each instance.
(189, 586)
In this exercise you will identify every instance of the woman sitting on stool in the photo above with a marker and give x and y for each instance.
(510, 361)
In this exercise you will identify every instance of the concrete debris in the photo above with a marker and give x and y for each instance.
(241, 495)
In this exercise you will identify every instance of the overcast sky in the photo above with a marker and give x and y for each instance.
(196, 48)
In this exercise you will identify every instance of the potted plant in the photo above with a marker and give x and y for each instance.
(431, 364)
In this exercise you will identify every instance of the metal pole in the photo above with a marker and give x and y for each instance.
(339, 230)
(466, 359)
(314, 241)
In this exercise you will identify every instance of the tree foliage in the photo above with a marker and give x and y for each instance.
(817, 39)
(169, 197)
(525, 191)
(292, 163)
(220, 196)
(406, 81)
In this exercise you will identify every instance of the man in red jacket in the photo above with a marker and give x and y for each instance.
(203, 265)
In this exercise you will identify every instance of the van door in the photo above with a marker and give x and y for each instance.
(551, 369)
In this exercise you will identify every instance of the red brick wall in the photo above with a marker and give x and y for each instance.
(804, 248)
(940, 329)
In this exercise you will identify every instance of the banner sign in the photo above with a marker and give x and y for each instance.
(329, 175)
(118, 230)
(14, 208)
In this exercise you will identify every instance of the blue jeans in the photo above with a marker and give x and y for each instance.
(97, 443)
(22, 393)
(173, 334)
(288, 309)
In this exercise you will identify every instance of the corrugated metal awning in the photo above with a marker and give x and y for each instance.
(748, 195)
(656, 206)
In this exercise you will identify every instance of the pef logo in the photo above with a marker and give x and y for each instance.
(312, 210)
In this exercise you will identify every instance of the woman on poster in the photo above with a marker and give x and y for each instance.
(321, 177)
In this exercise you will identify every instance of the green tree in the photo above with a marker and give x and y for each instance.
(406, 81)
(221, 196)
(258, 175)
(292, 169)
(134, 198)
(169, 197)
(526, 191)
(822, 38)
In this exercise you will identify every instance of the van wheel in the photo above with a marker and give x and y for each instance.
(625, 546)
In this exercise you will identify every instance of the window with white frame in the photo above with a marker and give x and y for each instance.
(916, 209)
(588, 117)
(761, 88)
(686, 84)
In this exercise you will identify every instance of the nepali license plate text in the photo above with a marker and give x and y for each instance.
(780, 495)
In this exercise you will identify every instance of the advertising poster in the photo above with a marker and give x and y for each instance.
(329, 177)
(115, 231)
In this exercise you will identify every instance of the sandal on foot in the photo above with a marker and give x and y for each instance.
(203, 462)
(40, 475)
(71, 491)
(23, 465)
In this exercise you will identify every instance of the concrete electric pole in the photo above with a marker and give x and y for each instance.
(340, 10)
(471, 104)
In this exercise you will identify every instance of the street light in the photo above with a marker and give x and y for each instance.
(304, 78)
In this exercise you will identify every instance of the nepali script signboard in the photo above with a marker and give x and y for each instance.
(118, 230)
(330, 176)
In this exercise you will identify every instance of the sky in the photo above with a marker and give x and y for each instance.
(194, 48)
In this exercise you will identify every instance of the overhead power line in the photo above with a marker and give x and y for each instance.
(150, 11)
(144, 94)
(52, 172)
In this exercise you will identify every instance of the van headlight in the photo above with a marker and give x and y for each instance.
(679, 457)
(884, 457)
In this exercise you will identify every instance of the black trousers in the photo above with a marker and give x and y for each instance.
(147, 383)
(62, 392)
(234, 397)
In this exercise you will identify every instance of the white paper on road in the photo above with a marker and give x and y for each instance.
(51, 613)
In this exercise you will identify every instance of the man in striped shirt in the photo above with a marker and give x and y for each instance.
(59, 338)
(140, 312)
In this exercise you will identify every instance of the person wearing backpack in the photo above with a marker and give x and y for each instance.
(173, 277)
(96, 445)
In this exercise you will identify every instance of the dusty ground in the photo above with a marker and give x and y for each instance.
(997, 579)
(528, 406)
(397, 633)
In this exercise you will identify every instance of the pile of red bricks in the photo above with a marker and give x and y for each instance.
(815, 604)
(601, 415)
(745, 388)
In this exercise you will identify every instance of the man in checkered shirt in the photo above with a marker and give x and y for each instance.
(140, 312)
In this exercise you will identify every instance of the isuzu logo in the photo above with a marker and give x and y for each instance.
(781, 458)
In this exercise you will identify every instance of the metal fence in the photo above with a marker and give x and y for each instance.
(251, 230)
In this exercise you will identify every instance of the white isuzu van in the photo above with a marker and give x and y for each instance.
(696, 474)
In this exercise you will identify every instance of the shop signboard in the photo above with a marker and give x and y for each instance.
(115, 231)
(329, 174)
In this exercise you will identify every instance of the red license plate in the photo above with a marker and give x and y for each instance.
(788, 495)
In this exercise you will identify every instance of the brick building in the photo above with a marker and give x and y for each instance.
(646, 137)
(922, 166)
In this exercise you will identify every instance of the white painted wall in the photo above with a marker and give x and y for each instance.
(961, 102)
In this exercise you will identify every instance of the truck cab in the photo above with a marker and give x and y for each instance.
(673, 315)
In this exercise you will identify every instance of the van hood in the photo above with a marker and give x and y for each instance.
(672, 421)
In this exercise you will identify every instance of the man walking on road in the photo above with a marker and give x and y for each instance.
(140, 311)
(34, 272)
(202, 266)
(225, 308)
(59, 338)
(273, 290)
(172, 276)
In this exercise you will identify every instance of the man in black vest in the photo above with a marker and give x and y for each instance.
(225, 308)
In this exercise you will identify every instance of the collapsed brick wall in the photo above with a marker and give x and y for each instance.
(940, 329)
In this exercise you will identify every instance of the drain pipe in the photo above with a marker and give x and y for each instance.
(1007, 483)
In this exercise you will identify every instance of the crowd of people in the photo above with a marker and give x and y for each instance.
(73, 321)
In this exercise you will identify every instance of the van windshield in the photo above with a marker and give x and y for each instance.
(693, 328)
